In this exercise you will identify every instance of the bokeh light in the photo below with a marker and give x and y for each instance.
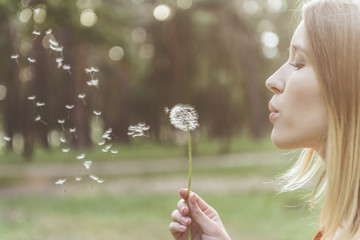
(147, 51)
(276, 6)
(184, 4)
(25, 15)
(25, 74)
(40, 13)
(116, 53)
(3, 91)
(251, 7)
(138, 35)
(270, 39)
(162, 12)
(88, 18)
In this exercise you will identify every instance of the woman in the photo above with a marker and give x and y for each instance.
(316, 106)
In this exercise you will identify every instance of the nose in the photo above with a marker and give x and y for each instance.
(275, 83)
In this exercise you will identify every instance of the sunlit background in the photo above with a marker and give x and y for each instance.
(74, 76)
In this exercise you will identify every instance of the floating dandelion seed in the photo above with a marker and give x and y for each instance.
(38, 119)
(62, 139)
(36, 33)
(7, 139)
(93, 82)
(40, 104)
(48, 32)
(104, 150)
(101, 143)
(56, 49)
(66, 150)
(95, 178)
(59, 62)
(15, 57)
(107, 147)
(73, 130)
(69, 107)
(61, 121)
(81, 156)
(114, 151)
(106, 136)
(53, 42)
(31, 60)
(78, 179)
(61, 182)
(67, 68)
(88, 164)
(37, 11)
(91, 71)
(97, 114)
(166, 110)
(139, 130)
(185, 118)
(31, 98)
(82, 97)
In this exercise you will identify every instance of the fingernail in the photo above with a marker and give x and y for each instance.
(182, 210)
(185, 220)
(182, 227)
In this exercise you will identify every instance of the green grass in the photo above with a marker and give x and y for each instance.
(142, 149)
(253, 215)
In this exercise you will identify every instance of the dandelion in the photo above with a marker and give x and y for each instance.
(15, 57)
(38, 119)
(31, 98)
(82, 97)
(81, 156)
(97, 114)
(185, 118)
(88, 164)
(61, 121)
(139, 130)
(69, 107)
(73, 130)
(7, 139)
(67, 68)
(61, 182)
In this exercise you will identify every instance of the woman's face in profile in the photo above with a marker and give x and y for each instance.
(298, 110)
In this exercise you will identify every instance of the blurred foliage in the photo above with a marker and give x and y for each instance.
(208, 53)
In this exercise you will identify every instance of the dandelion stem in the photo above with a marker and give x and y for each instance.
(190, 169)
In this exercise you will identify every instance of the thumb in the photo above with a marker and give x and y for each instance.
(197, 214)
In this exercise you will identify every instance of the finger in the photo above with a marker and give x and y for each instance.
(198, 215)
(183, 193)
(177, 217)
(175, 228)
(202, 204)
(182, 207)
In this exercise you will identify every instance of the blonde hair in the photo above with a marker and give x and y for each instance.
(333, 38)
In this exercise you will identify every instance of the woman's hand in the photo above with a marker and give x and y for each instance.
(205, 222)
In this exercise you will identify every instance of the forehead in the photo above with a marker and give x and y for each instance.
(298, 38)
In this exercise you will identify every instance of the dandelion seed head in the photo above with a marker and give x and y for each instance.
(81, 156)
(183, 116)
(69, 106)
(60, 181)
(88, 164)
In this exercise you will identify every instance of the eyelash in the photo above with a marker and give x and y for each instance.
(298, 66)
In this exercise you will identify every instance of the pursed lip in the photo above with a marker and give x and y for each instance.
(273, 112)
